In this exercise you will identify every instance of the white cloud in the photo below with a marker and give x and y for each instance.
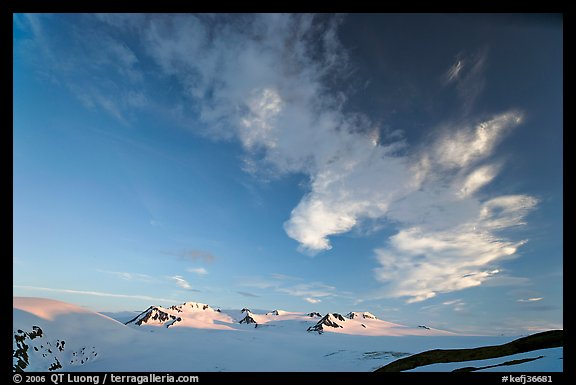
(503, 279)
(285, 284)
(284, 277)
(257, 126)
(419, 263)
(446, 239)
(312, 300)
(506, 211)
(129, 276)
(456, 305)
(95, 293)
(310, 290)
(181, 282)
(193, 255)
(198, 270)
(455, 70)
(535, 299)
(466, 75)
(460, 147)
(359, 181)
(477, 179)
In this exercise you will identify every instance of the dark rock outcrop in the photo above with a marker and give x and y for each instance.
(248, 320)
(329, 320)
(153, 313)
(544, 340)
(365, 315)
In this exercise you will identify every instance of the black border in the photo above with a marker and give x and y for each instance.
(8, 7)
(317, 378)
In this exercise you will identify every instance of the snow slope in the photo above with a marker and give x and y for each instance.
(52, 333)
(206, 339)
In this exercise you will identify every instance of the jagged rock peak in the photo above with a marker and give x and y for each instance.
(314, 314)
(276, 312)
(338, 316)
(152, 314)
(329, 320)
(355, 314)
(248, 320)
(190, 305)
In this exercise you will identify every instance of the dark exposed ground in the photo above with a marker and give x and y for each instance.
(544, 340)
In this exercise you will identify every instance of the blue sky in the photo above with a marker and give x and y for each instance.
(407, 165)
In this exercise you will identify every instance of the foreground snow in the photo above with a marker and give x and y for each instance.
(207, 339)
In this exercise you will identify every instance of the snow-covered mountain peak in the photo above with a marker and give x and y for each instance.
(364, 315)
(248, 319)
(155, 315)
(331, 320)
(191, 306)
(189, 314)
(277, 312)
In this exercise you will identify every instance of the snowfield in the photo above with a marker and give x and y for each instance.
(194, 337)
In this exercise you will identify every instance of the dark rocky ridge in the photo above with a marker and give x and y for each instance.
(35, 349)
(544, 340)
(248, 320)
(364, 315)
(328, 320)
(155, 314)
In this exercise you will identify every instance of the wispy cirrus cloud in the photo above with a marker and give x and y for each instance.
(307, 290)
(247, 294)
(453, 72)
(264, 80)
(284, 277)
(456, 305)
(128, 276)
(311, 292)
(312, 300)
(193, 255)
(466, 74)
(95, 293)
(419, 263)
(534, 299)
(198, 270)
(182, 283)
(105, 74)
